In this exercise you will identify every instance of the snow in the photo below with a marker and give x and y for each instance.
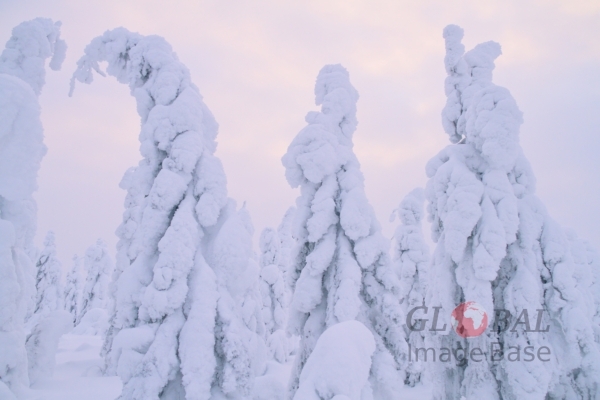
(185, 266)
(22, 75)
(340, 270)
(48, 279)
(339, 364)
(72, 293)
(410, 255)
(94, 322)
(99, 269)
(497, 246)
(191, 311)
(42, 343)
(78, 373)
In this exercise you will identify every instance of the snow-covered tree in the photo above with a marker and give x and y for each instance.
(497, 246)
(288, 243)
(274, 295)
(99, 268)
(72, 293)
(48, 278)
(410, 254)
(341, 269)
(42, 343)
(22, 74)
(272, 285)
(187, 320)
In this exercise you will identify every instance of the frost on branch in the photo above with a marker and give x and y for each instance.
(22, 75)
(186, 320)
(497, 246)
(340, 270)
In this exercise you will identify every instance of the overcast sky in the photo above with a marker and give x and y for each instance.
(255, 63)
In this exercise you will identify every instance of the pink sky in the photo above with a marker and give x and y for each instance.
(255, 63)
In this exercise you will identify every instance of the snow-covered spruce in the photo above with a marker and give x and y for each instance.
(410, 255)
(497, 246)
(72, 293)
(274, 295)
(288, 243)
(341, 270)
(99, 268)
(187, 320)
(48, 279)
(22, 75)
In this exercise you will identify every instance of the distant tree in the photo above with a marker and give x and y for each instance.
(48, 278)
(341, 270)
(497, 246)
(99, 268)
(22, 74)
(72, 293)
(285, 231)
(187, 321)
(410, 255)
(274, 296)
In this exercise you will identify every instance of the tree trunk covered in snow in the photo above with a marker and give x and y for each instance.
(22, 75)
(497, 246)
(341, 270)
(187, 316)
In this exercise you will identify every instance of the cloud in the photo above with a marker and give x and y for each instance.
(255, 64)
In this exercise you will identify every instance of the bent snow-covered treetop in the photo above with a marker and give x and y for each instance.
(182, 245)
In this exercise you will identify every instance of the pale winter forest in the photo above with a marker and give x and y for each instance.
(478, 293)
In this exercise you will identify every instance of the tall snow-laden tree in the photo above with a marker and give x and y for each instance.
(497, 246)
(48, 280)
(187, 321)
(72, 293)
(99, 268)
(410, 254)
(22, 75)
(274, 296)
(341, 267)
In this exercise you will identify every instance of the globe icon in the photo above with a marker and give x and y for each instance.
(469, 319)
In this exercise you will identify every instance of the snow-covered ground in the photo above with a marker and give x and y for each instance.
(78, 373)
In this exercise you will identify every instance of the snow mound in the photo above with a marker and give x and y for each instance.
(339, 365)
(94, 322)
